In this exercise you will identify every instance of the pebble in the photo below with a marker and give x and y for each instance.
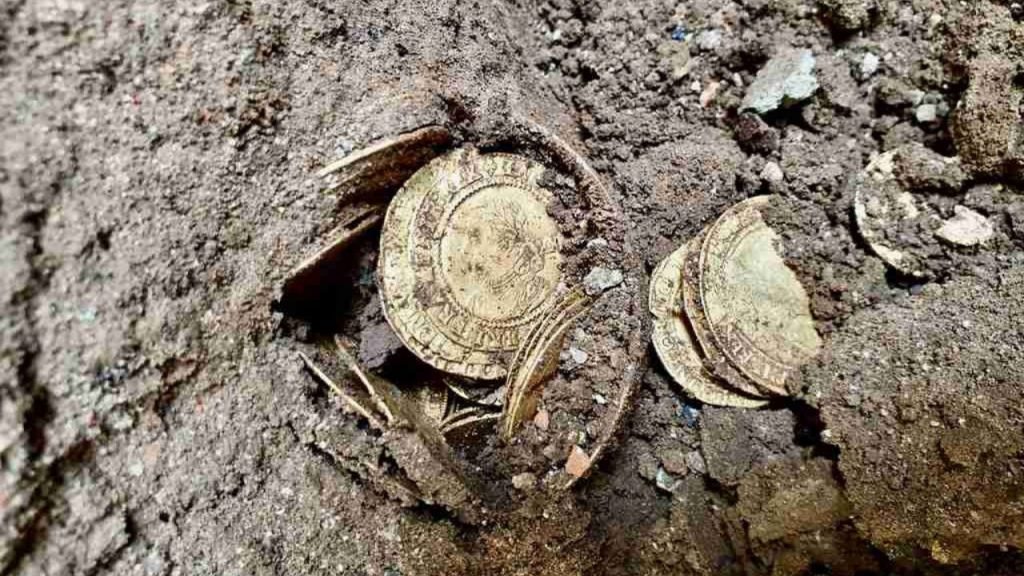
(847, 15)
(869, 65)
(690, 415)
(601, 279)
(674, 461)
(787, 79)
(893, 93)
(709, 40)
(675, 58)
(525, 481)
(542, 419)
(600, 399)
(927, 113)
(709, 93)
(647, 466)
(695, 462)
(551, 452)
(578, 356)
(666, 481)
(772, 173)
(966, 228)
(578, 462)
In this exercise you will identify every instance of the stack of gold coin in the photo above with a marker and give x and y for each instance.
(731, 320)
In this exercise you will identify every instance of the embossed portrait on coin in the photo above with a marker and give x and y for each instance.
(499, 253)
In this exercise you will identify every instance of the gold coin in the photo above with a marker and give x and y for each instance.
(672, 340)
(469, 260)
(706, 346)
(758, 311)
(382, 167)
(879, 205)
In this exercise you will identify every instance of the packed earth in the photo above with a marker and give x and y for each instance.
(160, 186)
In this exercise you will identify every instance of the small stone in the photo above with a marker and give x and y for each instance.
(674, 461)
(153, 564)
(894, 94)
(601, 279)
(524, 482)
(869, 65)
(695, 462)
(666, 481)
(647, 466)
(578, 462)
(966, 228)
(690, 415)
(787, 79)
(136, 468)
(578, 356)
(675, 59)
(772, 173)
(927, 113)
(709, 93)
(847, 16)
(377, 344)
(601, 400)
(755, 135)
(709, 40)
(987, 127)
(542, 419)
(551, 452)
(919, 168)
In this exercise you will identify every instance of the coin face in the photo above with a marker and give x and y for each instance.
(707, 347)
(672, 340)
(758, 311)
(469, 260)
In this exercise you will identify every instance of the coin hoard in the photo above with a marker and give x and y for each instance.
(469, 260)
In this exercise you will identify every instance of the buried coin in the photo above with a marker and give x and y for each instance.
(880, 206)
(672, 340)
(469, 260)
(758, 311)
(714, 358)
(383, 166)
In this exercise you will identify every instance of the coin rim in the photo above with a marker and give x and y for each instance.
(775, 387)
(707, 345)
(690, 376)
(891, 256)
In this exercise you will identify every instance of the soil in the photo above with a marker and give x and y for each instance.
(157, 185)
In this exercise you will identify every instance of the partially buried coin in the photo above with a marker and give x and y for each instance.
(881, 207)
(469, 260)
(673, 342)
(758, 311)
(713, 357)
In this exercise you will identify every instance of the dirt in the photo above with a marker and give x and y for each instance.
(157, 185)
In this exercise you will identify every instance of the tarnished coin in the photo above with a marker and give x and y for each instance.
(758, 311)
(380, 168)
(672, 340)
(712, 357)
(880, 205)
(469, 259)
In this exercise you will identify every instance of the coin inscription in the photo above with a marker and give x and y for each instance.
(715, 358)
(469, 260)
(499, 253)
(673, 342)
(758, 311)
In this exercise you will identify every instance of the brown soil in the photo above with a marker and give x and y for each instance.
(157, 185)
